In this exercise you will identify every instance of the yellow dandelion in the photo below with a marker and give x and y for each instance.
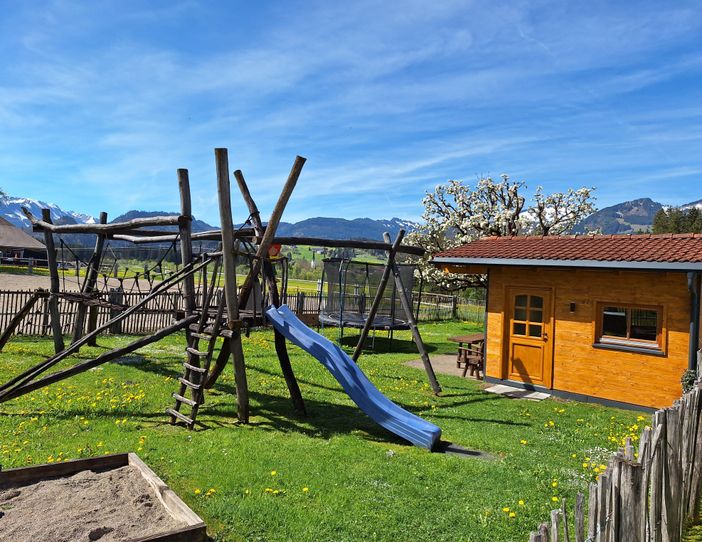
(521, 502)
(505, 509)
(305, 489)
(513, 514)
(198, 491)
(274, 473)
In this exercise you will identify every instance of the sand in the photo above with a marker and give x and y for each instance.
(112, 506)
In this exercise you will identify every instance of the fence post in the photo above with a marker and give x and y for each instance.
(115, 296)
(300, 304)
(454, 307)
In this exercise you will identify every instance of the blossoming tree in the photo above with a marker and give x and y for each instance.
(456, 213)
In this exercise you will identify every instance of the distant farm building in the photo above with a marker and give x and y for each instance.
(15, 244)
(614, 318)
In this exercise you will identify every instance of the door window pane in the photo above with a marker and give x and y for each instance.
(520, 314)
(534, 330)
(535, 315)
(519, 329)
(536, 302)
(520, 301)
(614, 322)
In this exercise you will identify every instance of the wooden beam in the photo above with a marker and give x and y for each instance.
(225, 217)
(209, 235)
(55, 286)
(405, 300)
(378, 294)
(46, 225)
(281, 347)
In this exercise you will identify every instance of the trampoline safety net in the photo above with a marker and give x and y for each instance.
(348, 290)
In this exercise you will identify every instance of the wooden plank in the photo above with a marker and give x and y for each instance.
(603, 509)
(27, 475)
(564, 515)
(695, 476)
(579, 519)
(592, 511)
(631, 511)
(672, 522)
(658, 458)
(186, 244)
(555, 525)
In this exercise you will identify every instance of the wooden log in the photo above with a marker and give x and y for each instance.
(281, 347)
(378, 295)
(579, 519)
(186, 244)
(55, 317)
(225, 216)
(614, 502)
(405, 300)
(90, 281)
(103, 358)
(17, 318)
(45, 225)
(137, 238)
(271, 227)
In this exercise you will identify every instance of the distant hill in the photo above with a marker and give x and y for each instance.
(198, 225)
(341, 228)
(628, 217)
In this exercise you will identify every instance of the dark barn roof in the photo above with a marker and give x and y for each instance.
(13, 238)
(681, 252)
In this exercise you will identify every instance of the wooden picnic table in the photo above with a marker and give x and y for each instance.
(472, 353)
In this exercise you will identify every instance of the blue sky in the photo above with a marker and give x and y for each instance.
(100, 102)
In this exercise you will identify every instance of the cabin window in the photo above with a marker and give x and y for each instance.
(629, 326)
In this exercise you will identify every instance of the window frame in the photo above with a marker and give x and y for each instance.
(628, 344)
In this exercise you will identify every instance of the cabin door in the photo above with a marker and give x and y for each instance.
(529, 337)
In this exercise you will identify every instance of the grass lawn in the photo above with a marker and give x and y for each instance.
(333, 475)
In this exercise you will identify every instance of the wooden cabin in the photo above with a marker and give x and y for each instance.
(16, 244)
(614, 319)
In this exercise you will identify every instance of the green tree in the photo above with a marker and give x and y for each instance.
(661, 223)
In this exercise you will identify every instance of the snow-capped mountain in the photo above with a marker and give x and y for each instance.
(11, 210)
(692, 204)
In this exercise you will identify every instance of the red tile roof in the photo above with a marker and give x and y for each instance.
(667, 248)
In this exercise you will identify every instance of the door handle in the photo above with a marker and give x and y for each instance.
(545, 336)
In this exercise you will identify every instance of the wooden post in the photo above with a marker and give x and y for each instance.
(378, 294)
(281, 347)
(579, 518)
(225, 216)
(89, 283)
(405, 299)
(186, 244)
(55, 317)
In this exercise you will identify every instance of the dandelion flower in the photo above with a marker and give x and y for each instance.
(513, 514)
(274, 472)
(505, 509)
(521, 502)
(305, 489)
(198, 491)
(523, 441)
(554, 498)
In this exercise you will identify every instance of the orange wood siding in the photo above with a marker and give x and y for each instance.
(578, 367)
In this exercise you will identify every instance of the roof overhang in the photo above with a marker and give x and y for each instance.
(592, 264)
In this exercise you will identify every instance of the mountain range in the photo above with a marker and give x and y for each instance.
(627, 217)
(330, 228)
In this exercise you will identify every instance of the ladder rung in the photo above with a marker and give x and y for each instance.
(189, 384)
(182, 417)
(196, 352)
(203, 336)
(193, 368)
(185, 400)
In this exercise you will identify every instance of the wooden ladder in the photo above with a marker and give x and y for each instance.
(198, 361)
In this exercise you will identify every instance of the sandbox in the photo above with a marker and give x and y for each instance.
(113, 498)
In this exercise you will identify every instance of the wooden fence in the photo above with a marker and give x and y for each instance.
(160, 311)
(649, 496)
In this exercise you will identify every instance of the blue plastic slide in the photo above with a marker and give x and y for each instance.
(368, 398)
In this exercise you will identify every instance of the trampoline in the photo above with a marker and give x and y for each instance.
(348, 289)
